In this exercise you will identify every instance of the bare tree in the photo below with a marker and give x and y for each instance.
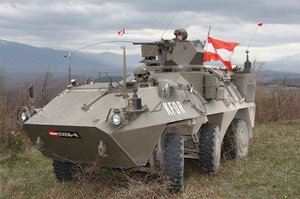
(2, 74)
(44, 88)
(259, 69)
(7, 113)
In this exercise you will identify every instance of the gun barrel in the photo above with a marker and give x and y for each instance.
(148, 43)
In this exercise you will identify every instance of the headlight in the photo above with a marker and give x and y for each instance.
(116, 119)
(22, 115)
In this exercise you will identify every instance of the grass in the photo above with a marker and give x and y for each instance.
(272, 170)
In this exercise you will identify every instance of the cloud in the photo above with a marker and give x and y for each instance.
(73, 24)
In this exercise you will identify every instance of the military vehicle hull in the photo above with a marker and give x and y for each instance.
(171, 109)
(66, 130)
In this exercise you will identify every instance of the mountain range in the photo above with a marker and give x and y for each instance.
(289, 63)
(19, 61)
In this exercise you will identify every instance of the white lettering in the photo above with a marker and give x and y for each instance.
(167, 109)
(176, 108)
(180, 107)
(172, 109)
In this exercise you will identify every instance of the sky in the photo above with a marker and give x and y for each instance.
(70, 25)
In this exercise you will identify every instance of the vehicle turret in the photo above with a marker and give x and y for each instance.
(171, 53)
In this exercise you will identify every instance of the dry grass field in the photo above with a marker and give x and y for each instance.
(271, 171)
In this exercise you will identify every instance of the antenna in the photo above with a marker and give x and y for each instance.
(258, 25)
(247, 64)
(167, 27)
(69, 67)
(89, 45)
(124, 69)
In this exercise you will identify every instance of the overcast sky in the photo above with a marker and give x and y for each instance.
(73, 24)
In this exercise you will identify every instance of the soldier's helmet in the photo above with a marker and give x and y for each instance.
(181, 31)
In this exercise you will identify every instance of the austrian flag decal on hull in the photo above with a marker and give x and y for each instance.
(64, 134)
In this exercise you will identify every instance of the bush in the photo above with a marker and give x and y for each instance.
(274, 103)
(15, 144)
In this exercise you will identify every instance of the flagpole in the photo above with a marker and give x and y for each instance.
(207, 41)
(208, 31)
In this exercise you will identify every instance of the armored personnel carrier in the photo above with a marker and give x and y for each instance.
(170, 109)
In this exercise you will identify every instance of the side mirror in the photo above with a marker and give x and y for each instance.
(163, 89)
(30, 91)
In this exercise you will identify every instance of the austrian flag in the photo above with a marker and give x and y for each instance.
(219, 50)
(121, 32)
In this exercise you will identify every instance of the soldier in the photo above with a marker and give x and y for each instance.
(141, 74)
(180, 34)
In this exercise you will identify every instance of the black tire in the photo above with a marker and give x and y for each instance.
(173, 157)
(236, 140)
(63, 170)
(209, 148)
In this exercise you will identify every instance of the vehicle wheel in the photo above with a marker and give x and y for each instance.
(209, 148)
(63, 170)
(236, 140)
(173, 157)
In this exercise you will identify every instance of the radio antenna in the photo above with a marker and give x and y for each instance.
(247, 64)
(167, 27)
(69, 55)
(258, 25)
(173, 18)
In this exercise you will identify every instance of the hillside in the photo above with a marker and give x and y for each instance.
(286, 64)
